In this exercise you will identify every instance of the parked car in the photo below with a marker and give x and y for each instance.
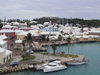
(14, 63)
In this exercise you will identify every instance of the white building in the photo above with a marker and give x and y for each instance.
(5, 55)
(3, 44)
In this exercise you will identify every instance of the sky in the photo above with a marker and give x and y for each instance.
(29, 9)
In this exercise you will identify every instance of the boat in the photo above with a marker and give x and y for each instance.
(40, 67)
(53, 66)
(77, 62)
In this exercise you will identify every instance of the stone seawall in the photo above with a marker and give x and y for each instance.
(16, 68)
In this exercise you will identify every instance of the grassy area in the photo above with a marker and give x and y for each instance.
(27, 57)
(62, 55)
(18, 49)
(69, 55)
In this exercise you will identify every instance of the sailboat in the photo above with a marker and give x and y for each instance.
(77, 62)
(52, 66)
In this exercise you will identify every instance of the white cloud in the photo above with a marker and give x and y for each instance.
(30, 13)
(38, 8)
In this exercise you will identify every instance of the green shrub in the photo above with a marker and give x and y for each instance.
(27, 57)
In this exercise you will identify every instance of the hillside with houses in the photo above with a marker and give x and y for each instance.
(14, 32)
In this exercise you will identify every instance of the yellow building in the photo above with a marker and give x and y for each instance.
(21, 36)
(85, 38)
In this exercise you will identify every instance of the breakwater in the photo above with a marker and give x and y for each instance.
(16, 68)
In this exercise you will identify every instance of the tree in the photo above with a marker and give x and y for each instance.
(54, 48)
(28, 23)
(1, 25)
(48, 38)
(28, 40)
(23, 44)
(62, 32)
(82, 29)
(43, 37)
(69, 42)
(60, 38)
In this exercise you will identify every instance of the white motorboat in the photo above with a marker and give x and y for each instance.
(40, 67)
(51, 67)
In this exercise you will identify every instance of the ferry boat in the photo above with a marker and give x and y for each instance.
(51, 67)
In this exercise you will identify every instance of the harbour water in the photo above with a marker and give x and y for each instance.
(90, 50)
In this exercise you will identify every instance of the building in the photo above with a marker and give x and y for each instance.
(5, 55)
(3, 44)
(9, 33)
(9, 27)
(96, 32)
(20, 36)
(18, 44)
(85, 38)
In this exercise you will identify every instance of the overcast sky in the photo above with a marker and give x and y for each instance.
(29, 9)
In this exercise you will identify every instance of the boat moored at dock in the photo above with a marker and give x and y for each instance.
(77, 62)
(51, 67)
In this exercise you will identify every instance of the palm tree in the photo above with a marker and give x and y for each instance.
(69, 42)
(23, 44)
(54, 48)
(62, 32)
(60, 38)
(82, 28)
(28, 40)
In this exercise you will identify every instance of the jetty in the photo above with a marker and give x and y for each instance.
(22, 66)
(18, 68)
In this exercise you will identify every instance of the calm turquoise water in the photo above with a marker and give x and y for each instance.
(90, 50)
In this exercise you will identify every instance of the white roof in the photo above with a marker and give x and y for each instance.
(77, 36)
(46, 23)
(15, 23)
(22, 33)
(3, 37)
(96, 31)
(85, 36)
(18, 41)
(33, 32)
(7, 51)
(25, 28)
(85, 28)
(45, 33)
(94, 36)
(5, 31)
(2, 42)
(2, 50)
(24, 24)
(9, 26)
